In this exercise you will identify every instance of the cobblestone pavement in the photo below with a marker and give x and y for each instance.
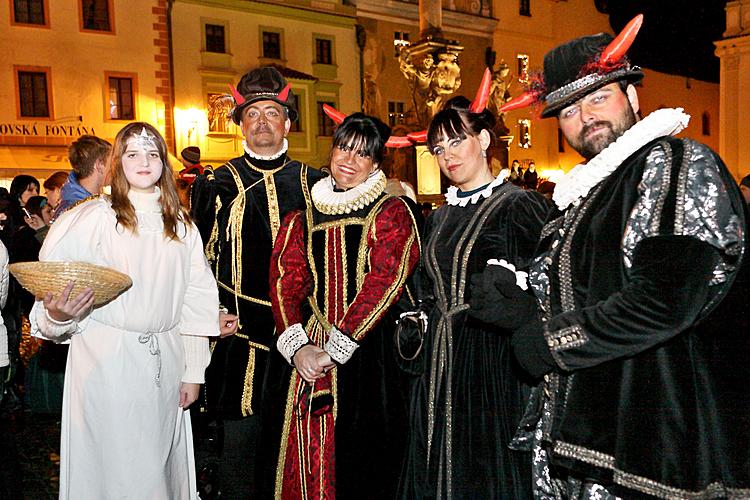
(29, 450)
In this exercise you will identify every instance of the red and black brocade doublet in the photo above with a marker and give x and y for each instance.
(652, 398)
(346, 271)
(238, 209)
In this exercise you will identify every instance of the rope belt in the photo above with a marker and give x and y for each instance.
(151, 340)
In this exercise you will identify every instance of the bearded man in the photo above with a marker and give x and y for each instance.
(637, 334)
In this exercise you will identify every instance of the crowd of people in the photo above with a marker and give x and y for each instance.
(294, 332)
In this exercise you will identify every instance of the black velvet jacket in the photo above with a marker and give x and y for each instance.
(238, 209)
(651, 396)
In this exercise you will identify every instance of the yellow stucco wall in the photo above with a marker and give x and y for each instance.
(197, 72)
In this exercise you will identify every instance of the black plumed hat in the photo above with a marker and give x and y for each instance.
(263, 84)
(571, 71)
(579, 67)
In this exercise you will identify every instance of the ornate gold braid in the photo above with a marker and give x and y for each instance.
(84, 200)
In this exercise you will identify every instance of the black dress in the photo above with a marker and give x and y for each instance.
(468, 401)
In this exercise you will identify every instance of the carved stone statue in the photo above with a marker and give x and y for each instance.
(499, 94)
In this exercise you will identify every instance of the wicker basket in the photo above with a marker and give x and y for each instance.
(42, 277)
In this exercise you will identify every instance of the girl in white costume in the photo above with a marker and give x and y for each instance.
(134, 364)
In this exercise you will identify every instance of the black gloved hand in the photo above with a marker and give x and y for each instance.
(498, 301)
(531, 350)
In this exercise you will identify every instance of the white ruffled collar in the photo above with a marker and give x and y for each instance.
(332, 202)
(146, 202)
(452, 198)
(252, 154)
(576, 184)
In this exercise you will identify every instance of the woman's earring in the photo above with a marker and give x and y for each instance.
(484, 153)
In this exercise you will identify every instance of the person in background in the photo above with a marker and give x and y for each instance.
(88, 156)
(745, 188)
(516, 173)
(136, 363)
(190, 157)
(530, 177)
(40, 216)
(53, 186)
(22, 188)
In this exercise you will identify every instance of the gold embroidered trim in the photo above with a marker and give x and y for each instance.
(237, 294)
(247, 392)
(234, 232)
(84, 200)
(563, 339)
(210, 247)
(387, 298)
(643, 484)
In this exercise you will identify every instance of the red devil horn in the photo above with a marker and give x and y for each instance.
(334, 114)
(284, 93)
(523, 100)
(620, 45)
(420, 136)
(398, 142)
(237, 96)
(483, 93)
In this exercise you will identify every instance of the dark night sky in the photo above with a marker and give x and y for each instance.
(677, 35)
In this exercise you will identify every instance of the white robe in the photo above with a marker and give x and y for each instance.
(123, 433)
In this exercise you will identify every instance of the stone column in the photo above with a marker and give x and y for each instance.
(430, 18)
(734, 93)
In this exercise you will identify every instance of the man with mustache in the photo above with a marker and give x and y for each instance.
(637, 333)
(238, 208)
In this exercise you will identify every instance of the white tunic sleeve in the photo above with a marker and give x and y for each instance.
(200, 309)
(75, 236)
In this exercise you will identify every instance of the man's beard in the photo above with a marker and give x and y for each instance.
(590, 147)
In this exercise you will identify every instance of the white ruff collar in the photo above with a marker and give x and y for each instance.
(332, 202)
(576, 184)
(256, 156)
(452, 198)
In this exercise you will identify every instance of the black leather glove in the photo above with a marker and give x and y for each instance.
(498, 301)
(531, 350)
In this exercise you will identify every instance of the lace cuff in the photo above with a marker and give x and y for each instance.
(291, 341)
(44, 326)
(340, 347)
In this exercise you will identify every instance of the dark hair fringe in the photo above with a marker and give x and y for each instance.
(455, 120)
(364, 131)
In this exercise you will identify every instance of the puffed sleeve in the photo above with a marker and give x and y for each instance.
(290, 284)
(75, 236)
(393, 254)
(200, 309)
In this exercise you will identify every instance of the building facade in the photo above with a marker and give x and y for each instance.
(77, 67)
(215, 42)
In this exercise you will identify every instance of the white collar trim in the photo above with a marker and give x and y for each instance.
(332, 202)
(256, 156)
(576, 184)
(452, 198)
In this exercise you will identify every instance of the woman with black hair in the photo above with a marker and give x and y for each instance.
(22, 187)
(470, 397)
(336, 270)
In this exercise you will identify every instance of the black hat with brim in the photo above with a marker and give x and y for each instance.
(264, 84)
(570, 72)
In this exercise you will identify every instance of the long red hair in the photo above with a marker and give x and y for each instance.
(173, 213)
